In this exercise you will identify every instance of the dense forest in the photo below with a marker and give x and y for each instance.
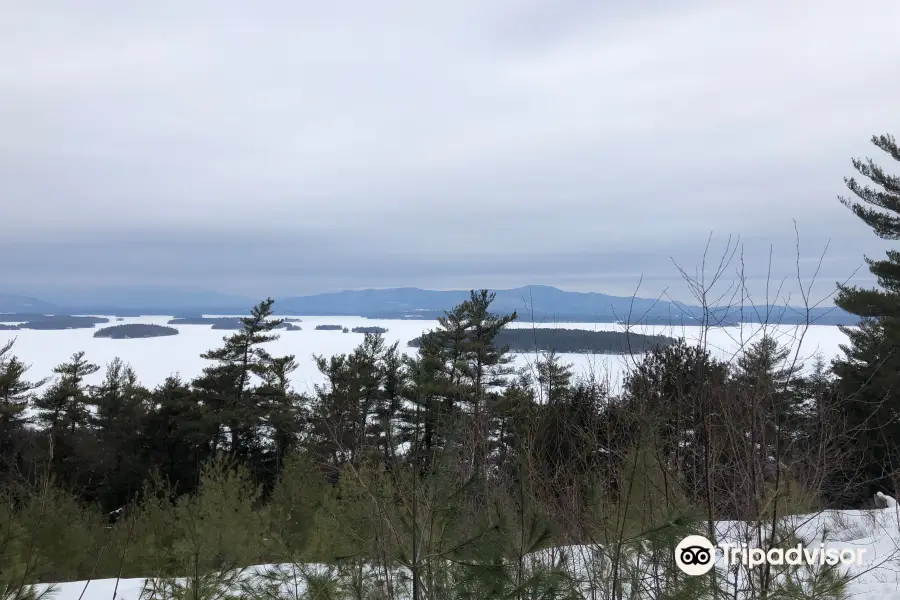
(135, 330)
(574, 341)
(449, 473)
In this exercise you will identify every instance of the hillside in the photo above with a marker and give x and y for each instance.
(16, 303)
(545, 303)
(538, 303)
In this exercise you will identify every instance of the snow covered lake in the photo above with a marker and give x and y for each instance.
(156, 358)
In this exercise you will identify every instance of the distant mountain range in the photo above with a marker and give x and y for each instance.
(537, 303)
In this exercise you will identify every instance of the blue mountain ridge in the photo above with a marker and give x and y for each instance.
(538, 303)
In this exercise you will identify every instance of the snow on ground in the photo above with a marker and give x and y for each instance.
(876, 532)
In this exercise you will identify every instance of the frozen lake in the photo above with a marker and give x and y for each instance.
(156, 358)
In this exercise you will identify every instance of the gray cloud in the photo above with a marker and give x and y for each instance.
(439, 144)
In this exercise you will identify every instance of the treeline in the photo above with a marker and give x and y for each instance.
(574, 341)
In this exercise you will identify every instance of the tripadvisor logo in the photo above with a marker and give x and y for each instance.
(696, 555)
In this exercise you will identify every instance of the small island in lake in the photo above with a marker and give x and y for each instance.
(329, 327)
(56, 322)
(574, 341)
(8, 327)
(135, 330)
(369, 330)
(226, 323)
(20, 317)
(222, 321)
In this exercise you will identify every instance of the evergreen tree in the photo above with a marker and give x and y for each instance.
(335, 414)
(178, 435)
(285, 410)
(120, 406)
(554, 378)
(63, 412)
(765, 373)
(384, 430)
(227, 388)
(15, 395)
(673, 390)
(357, 413)
(869, 370)
(468, 370)
(429, 416)
(64, 405)
(15, 392)
(486, 368)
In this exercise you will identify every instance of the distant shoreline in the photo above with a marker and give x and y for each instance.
(220, 321)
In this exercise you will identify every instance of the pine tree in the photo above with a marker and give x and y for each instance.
(357, 413)
(285, 410)
(869, 370)
(15, 395)
(554, 378)
(227, 387)
(765, 373)
(487, 368)
(63, 412)
(673, 388)
(428, 416)
(15, 392)
(177, 434)
(64, 405)
(120, 406)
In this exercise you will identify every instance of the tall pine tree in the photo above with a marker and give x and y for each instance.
(869, 370)
(15, 395)
(228, 388)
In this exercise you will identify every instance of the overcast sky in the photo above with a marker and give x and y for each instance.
(281, 147)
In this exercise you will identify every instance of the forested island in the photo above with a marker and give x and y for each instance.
(20, 317)
(135, 330)
(53, 322)
(227, 323)
(369, 330)
(329, 327)
(574, 341)
(221, 322)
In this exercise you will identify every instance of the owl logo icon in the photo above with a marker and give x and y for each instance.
(695, 555)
